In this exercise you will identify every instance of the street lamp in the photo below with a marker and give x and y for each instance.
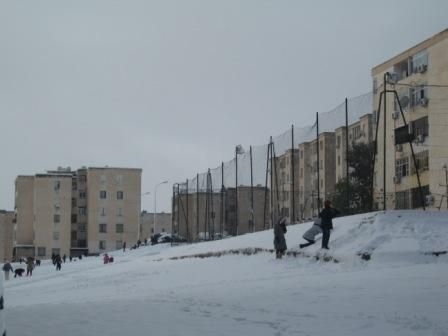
(155, 205)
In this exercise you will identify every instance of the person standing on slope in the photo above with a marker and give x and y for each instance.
(326, 216)
(29, 266)
(279, 237)
(7, 268)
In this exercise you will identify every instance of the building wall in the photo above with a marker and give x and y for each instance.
(163, 224)
(111, 210)
(399, 191)
(52, 215)
(6, 234)
(24, 205)
(307, 194)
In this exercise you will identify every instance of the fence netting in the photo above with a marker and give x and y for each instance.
(280, 178)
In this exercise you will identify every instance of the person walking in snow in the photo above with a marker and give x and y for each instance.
(105, 258)
(58, 264)
(64, 258)
(7, 268)
(279, 237)
(311, 233)
(29, 266)
(124, 246)
(326, 216)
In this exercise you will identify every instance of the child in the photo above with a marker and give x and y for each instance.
(310, 234)
(279, 237)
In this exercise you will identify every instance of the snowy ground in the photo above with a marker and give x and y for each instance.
(402, 290)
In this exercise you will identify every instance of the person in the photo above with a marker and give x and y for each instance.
(7, 268)
(106, 258)
(58, 263)
(326, 216)
(279, 237)
(70, 258)
(37, 262)
(124, 246)
(311, 233)
(146, 241)
(80, 257)
(29, 266)
(139, 242)
(64, 258)
(18, 272)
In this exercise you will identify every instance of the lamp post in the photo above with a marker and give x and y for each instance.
(155, 205)
(445, 167)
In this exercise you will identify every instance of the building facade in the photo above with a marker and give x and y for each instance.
(6, 234)
(419, 76)
(147, 228)
(88, 211)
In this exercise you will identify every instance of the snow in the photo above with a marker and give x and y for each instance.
(401, 290)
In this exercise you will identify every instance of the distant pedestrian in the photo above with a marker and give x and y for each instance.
(311, 233)
(326, 216)
(7, 268)
(279, 237)
(105, 258)
(139, 242)
(70, 258)
(37, 262)
(64, 258)
(29, 266)
(146, 241)
(80, 257)
(58, 264)
(124, 246)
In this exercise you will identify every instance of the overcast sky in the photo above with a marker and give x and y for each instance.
(172, 86)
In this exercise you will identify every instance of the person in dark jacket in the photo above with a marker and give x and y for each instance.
(326, 216)
(64, 258)
(7, 268)
(279, 237)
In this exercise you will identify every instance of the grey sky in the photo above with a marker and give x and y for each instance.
(171, 86)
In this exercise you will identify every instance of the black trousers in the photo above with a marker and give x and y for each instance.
(325, 237)
(310, 242)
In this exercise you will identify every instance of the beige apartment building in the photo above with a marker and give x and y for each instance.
(286, 166)
(361, 131)
(420, 77)
(199, 216)
(163, 224)
(309, 202)
(88, 211)
(6, 234)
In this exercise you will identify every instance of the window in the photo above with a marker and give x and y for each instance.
(82, 194)
(55, 235)
(301, 154)
(74, 218)
(120, 212)
(74, 185)
(420, 62)
(82, 211)
(321, 145)
(119, 228)
(56, 218)
(103, 211)
(41, 252)
(74, 235)
(103, 228)
(119, 244)
(103, 194)
(375, 85)
(73, 202)
(102, 244)
(402, 200)
(416, 198)
(57, 185)
(420, 127)
(119, 179)
(402, 167)
(422, 161)
(119, 195)
(417, 94)
(338, 141)
(81, 227)
(82, 178)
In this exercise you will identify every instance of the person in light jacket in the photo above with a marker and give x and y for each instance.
(7, 268)
(311, 233)
(279, 237)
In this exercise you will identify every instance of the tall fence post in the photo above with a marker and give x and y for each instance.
(293, 217)
(251, 192)
(347, 158)
(318, 162)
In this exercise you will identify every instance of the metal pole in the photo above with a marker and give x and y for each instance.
(346, 156)
(252, 191)
(293, 177)
(236, 191)
(188, 224)
(384, 139)
(318, 163)
(266, 187)
(375, 150)
(272, 184)
(197, 206)
(222, 201)
(172, 213)
(178, 208)
(446, 184)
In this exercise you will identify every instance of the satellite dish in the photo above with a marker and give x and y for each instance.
(404, 101)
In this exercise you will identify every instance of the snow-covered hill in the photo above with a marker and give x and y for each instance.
(401, 290)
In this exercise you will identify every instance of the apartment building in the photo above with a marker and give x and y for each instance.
(419, 76)
(147, 228)
(6, 234)
(361, 131)
(313, 192)
(88, 211)
(286, 168)
(203, 215)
